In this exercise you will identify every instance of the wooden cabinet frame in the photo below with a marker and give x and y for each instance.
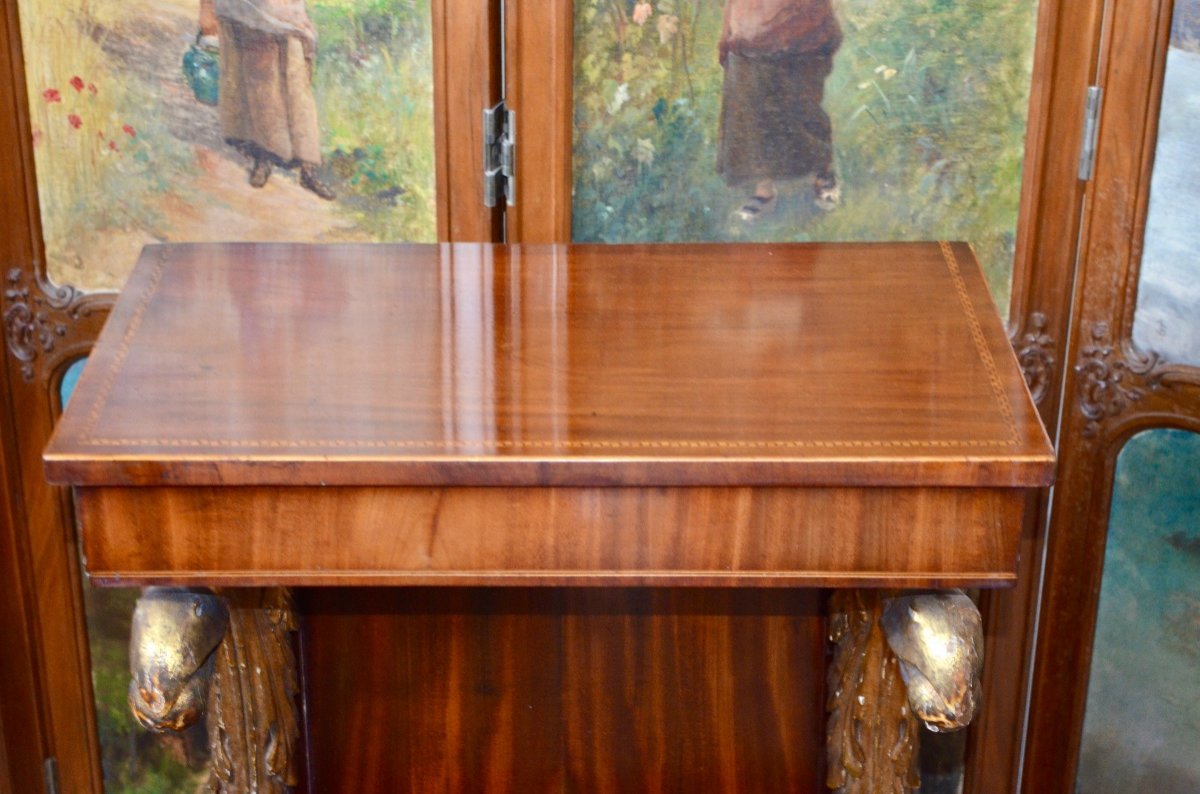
(44, 675)
(1113, 389)
(539, 84)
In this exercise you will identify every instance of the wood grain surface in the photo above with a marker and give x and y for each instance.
(535, 690)
(872, 365)
(901, 537)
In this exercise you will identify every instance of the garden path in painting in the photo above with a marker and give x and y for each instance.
(171, 176)
(150, 51)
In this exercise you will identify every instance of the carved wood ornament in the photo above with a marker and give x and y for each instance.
(1112, 377)
(1035, 354)
(249, 680)
(898, 657)
(37, 318)
(872, 732)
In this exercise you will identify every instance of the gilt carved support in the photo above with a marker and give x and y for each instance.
(227, 655)
(897, 658)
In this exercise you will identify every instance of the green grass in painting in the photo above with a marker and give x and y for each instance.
(373, 85)
(928, 103)
(134, 761)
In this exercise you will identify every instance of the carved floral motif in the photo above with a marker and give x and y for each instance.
(1035, 353)
(34, 320)
(1111, 378)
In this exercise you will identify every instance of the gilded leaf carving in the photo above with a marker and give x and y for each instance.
(871, 734)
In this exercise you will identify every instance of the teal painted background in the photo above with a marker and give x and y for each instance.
(1142, 727)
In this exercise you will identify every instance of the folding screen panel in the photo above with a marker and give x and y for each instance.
(167, 121)
(1113, 705)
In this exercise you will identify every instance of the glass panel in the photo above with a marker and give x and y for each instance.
(146, 131)
(1169, 291)
(134, 760)
(829, 120)
(1142, 726)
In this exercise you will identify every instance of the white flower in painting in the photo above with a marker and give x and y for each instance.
(602, 169)
(668, 26)
(642, 12)
(620, 97)
(643, 151)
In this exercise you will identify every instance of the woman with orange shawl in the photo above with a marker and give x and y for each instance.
(777, 55)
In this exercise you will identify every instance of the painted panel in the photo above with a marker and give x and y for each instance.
(185, 120)
(768, 120)
(1142, 725)
(1169, 291)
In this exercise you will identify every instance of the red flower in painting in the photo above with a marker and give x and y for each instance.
(75, 121)
(112, 145)
(52, 95)
(130, 131)
(77, 83)
(92, 87)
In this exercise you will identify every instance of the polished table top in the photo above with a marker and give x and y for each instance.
(474, 364)
(692, 368)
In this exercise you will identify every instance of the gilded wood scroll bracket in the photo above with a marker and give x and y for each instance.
(228, 655)
(897, 658)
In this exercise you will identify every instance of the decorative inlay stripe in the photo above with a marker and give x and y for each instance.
(526, 443)
(989, 363)
(123, 349)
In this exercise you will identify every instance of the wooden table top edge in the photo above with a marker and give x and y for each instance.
(77, 469)
(581, 579)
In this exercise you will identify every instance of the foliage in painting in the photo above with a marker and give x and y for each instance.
(127, 153)
(928, 100)
(134, 760)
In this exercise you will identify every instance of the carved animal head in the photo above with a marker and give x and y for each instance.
(175, 634)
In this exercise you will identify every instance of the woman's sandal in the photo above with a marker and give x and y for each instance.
(260, 173)
(309, 181)
(827, 193)
(756, 207)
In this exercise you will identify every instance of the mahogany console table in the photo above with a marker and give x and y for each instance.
(673, 424)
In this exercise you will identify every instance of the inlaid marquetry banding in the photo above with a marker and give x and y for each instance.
(123, 349)
(985, 354)
(960, 287)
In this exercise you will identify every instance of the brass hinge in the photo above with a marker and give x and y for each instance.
(50, 773)
(1091, 130)
(499, 155)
